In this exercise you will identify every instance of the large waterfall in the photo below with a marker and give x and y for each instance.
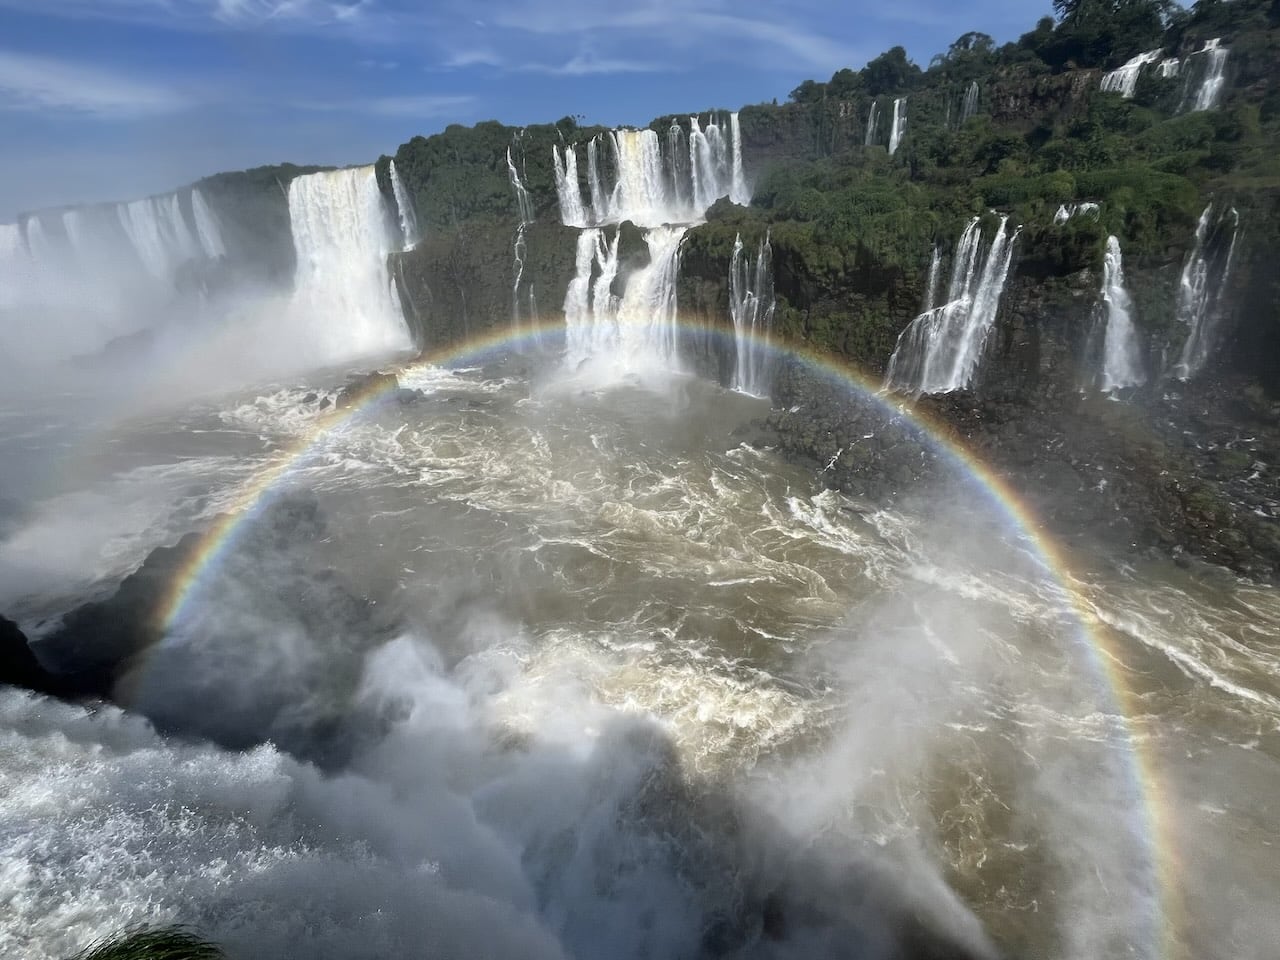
(663, 184)
(1202, 287)
(630, 176)
(1124, 80)
(939, 351)
(342, 292)
(1121, 361)
(404, 207)
(899, 124)
(634, 331)
(79, 278)
(1207, 81)
(751, 305)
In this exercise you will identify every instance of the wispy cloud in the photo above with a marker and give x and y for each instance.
(583, 65)
(44, 83)
(423, 105)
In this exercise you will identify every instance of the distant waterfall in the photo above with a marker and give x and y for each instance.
(1170, 67)
(751, 306)
(524, 205)
(939, 351)
(87, 275)
(899, 124)
(342, 236)
(739, 192)
(1202, 288)
(969, 107)
(630, 176)
(662, 183)
(1121, 356)
(1124, 80)
(1210, 77)
(1068, 210)
(404, 207)
(873, 124)
(573, 211)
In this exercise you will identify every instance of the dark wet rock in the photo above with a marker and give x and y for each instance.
(364, 386)
(311, 398)
(19, 666)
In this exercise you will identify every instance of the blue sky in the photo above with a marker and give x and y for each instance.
(113, 99)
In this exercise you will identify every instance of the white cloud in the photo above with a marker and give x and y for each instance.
(411, 105)
(44, 83)
(583, 65)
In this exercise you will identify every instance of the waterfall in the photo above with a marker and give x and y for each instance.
(87, 275)
(932, 280)
(970, 105)
(404, 206)
(873, 122)
(939, 351)
(207, 228)
(573, 213)
(751, 305)
(899, 124)
(599, 199)
(1124, 80)
(342, 236)
(739, 193)
(1068, 210)
(661, 183)
(524, 206)
(1170, 67)
(1201, 288)
(1121, 355)
(1207, 91)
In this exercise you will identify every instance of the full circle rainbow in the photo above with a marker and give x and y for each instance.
(1160, 850)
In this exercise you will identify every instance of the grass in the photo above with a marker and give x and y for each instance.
(170, 943)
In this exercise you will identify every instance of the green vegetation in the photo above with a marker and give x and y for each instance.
(173, 943)
(853, 228)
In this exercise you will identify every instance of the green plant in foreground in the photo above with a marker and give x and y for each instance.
(172, 943)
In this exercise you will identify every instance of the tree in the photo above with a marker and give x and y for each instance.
(891, 72)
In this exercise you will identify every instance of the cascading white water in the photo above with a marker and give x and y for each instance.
(1068, 210)
(159, 233)
(88, 275)
(568, 188)
(661, 191)
(873, 124)
(932, 280)
(899, 124)
(939, 351)
(1124, 80)
(739, 192)
(969, 107)
(1211, 78)
(1121, 356)
(751, 306)
(1201, 289)
(524, 206)
(207, 228)
(404, 207)
(342, 290)
(1170, 67)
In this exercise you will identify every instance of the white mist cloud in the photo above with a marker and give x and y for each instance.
(44, 83)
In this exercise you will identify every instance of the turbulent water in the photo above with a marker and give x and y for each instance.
(620, 684)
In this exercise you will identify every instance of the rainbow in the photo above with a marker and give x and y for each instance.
(1167, 920)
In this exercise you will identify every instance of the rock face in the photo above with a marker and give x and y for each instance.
(19, 666)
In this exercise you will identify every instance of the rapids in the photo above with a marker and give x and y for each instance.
(626, 685)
